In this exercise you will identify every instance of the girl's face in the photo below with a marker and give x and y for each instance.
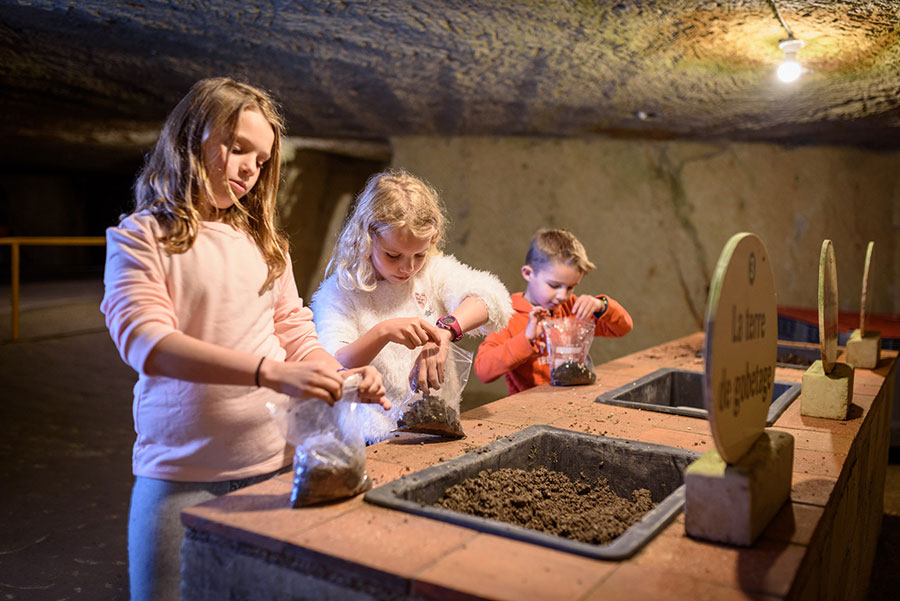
(398, 255)
(237, 169)
(550, 285)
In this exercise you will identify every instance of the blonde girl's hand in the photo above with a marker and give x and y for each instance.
(371, 388)
(585, 306)
(411, 332)
(303, 379)
(428, 371)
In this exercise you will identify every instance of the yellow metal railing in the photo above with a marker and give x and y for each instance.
(17, 242)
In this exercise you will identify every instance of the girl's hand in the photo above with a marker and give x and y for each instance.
(371, 388)
(585, 306)
(304, 379)
(535, 329)
(411, 332)
(428, 371)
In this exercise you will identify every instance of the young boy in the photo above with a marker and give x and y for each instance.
(555, 263)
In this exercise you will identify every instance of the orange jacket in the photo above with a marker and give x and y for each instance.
(508, 353)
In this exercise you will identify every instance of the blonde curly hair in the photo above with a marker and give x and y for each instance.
(174, 183)
(390, 199)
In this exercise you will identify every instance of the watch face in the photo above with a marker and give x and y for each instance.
(448, 319)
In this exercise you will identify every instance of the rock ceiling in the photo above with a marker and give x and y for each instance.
(89, 80)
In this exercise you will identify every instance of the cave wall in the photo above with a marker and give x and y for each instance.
(654, 216)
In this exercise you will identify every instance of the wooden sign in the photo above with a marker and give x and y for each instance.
(740, 346)
(866, 301)
(828, 306)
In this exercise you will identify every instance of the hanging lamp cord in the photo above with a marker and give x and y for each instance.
(781, 19)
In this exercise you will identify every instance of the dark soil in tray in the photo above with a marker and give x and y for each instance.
(431, 415)
(792, 359)
(548, 501)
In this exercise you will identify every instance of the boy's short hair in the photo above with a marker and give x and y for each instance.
(557, 245)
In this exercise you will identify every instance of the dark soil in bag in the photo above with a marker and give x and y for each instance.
(429, 414)
(572, 373)
(317, 481)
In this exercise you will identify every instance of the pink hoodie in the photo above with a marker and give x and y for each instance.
(201, 432)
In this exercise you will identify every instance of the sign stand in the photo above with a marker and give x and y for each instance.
(827, 386)
(864, 347)
(733, 491)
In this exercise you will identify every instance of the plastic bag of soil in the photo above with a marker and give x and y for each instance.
(436, 411)
(568, 348)
(329, 461)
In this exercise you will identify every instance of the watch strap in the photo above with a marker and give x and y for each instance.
(448, 322)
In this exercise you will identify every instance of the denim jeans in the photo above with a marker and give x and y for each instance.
(155, 532)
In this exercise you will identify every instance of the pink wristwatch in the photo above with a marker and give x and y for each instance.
(448, 322)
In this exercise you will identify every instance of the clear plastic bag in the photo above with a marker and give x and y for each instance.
(568, 347)
(329, 460)
(437, 411)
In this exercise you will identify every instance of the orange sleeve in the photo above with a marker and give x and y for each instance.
(615, 321)
(502, 352)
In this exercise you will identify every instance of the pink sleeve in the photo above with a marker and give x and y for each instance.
(136, 302)
(293, 322)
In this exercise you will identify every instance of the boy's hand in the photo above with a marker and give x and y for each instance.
(585, 306)
(411, 332)
(371, 388)
(428, 371)
(534, 331)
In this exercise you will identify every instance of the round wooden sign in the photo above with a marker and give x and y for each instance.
(866, 301)
(828, 306)
(740, 346)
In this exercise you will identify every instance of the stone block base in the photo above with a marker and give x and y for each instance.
(826, 395)
(734, 503)
(864, 350)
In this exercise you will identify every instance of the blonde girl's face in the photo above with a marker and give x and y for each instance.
(398, 255)
(237, 169)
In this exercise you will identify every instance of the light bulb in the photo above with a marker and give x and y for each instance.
(789, 71)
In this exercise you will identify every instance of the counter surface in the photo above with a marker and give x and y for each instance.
(433, 559)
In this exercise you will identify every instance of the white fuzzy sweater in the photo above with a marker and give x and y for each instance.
(342, 316)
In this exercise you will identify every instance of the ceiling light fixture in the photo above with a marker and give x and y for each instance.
(789, 70)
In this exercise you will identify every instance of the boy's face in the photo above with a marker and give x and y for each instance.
(550, 285)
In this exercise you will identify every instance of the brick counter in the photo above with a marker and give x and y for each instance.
(251, 545)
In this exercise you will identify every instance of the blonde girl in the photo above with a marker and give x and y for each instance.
(201, 301)
(393, 299)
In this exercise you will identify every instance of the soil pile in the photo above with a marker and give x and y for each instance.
(792, 359)
(548, 501)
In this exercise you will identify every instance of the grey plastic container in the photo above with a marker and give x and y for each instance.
(680, 391)
(627, 465)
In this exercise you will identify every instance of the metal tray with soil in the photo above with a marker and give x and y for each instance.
(625, 465)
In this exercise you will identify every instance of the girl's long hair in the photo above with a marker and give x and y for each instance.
(175, 181)
(390, 199)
